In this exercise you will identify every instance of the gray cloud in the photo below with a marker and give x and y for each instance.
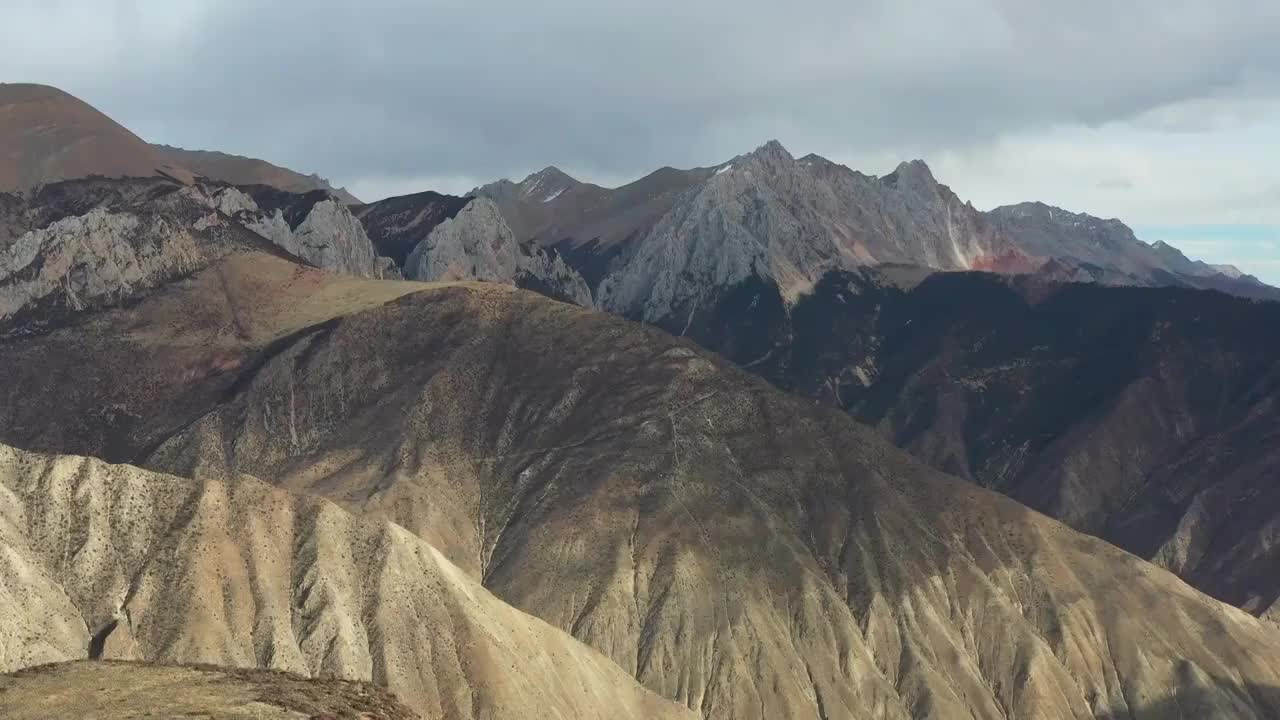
(387, 89)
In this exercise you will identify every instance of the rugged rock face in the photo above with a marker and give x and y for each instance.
(1107, 252)
(316, 227)
(744, 552)
(674, 244)
(87, 243)
(1146, 416)
(90, 258)
(118, 563)
(474, 245)
(396, 225)
(788, 222)
(477, 244)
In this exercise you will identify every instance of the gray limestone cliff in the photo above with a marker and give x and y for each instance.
(666, 250)
(477, 244)
(93, 257)
(790, 221)
(86, 244)
(315, 227)
(89, 243)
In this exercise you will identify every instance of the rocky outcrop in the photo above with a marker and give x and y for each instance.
(82, 245)
(477, 244)
(315, 227)
(396, 225)
(93, 258)
(86, 243)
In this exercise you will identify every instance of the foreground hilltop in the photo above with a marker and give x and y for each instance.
(85, 690)
(114, 562)
(740, 551)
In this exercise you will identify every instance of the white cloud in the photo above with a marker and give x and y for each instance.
(1143, 174)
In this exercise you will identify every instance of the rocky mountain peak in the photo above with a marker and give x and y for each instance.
(1169, 252)
(815, 160)
(546, 184)
(911, 174)
(772, 155)
(478, 244)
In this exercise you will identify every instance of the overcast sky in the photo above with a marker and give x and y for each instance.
(1163, 113)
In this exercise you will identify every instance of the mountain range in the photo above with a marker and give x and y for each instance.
(673, 240)
(868, 452)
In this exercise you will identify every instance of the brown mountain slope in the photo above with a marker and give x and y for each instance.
(1145, 416)
(240, 170)
(47, 135)
(85, 690)
(736, 549)
(586, 221)
(115, 562)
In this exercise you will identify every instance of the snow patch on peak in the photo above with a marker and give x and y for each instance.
(546, 184)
